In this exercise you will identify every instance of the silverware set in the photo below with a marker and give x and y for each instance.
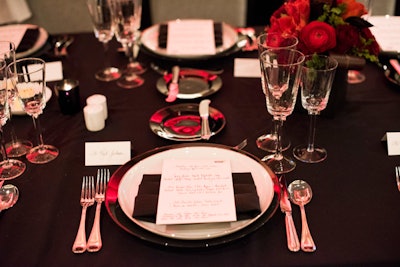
(298, 192)
(89, 195)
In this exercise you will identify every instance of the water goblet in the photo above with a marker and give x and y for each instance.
(281, 78)
(27, 76)
(100, 14)
(317, 76)
(268, 141)
(16, 147)
(126, 17)
(9, 168)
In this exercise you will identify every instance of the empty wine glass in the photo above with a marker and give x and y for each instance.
(281, 72)
(100, 14)
(126, 16)
(16, 147)
(27, 76)
(317, 76)
(268, 141)
(9, 168)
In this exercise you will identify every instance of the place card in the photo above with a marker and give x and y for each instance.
(393, 143)
(54, 71)
(191, 37)
(195, 191)
(107, 153)
(247, 68)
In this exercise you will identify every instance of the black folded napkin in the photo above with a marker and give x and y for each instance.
(246, 198)
(28, 40)
(163, 35)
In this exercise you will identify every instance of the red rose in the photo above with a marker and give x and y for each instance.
(318, 37)
(347, 37)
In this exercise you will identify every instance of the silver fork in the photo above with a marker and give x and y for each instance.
(397, 168)
(87, 199)
(94, 242)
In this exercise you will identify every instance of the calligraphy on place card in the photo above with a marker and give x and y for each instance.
(195, 191)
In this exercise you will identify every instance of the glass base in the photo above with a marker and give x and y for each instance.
(108, 74)
(42, 154)
(10, 169)
(268, 142)
(129, 81)
(354, 76)
(317, 155)
(136, 68)
(18, 148)
(279, 165)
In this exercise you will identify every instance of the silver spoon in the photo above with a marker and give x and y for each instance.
(8, 196)
(300, 194)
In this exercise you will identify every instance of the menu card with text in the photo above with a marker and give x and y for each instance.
(191, 37)
(195, 191)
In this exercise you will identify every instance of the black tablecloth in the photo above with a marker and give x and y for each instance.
(353, 216)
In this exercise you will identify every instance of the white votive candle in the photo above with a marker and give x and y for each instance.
(94, 117)
(98, 99)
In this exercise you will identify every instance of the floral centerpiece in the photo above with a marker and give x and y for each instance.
(327, 26)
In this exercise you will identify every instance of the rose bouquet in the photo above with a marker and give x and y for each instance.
(327, 26)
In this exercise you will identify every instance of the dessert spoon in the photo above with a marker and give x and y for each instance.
(300, 194)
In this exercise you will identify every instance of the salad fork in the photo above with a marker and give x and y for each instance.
(87, 199)
(94, 242)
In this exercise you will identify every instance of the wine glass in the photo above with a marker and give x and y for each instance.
(281, 77)
(16, 147)
(268, 141)
(317, 76)
(9, 168)
(126, 17)
(27, 76)
(356, 76)
(100, 14)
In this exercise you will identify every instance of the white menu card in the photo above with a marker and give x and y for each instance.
(191, 37)
(195, 191)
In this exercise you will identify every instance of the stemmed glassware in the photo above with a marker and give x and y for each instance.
(27, 76)
(268, 141)
(16, 147)
(126, 16)
(9, 168)
(317, 76)
(100, 14)
(281, 77)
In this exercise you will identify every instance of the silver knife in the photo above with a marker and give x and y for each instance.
(204, 113)
(173, 88)
(291, 234)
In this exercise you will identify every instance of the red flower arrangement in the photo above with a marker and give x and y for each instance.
(327, 26)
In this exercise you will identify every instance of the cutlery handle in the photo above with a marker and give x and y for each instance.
(205, 129)
(307, 242)
(94, 243)
(79, 245)
(291, 234)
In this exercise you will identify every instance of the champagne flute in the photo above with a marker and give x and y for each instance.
(268, 141)
(27, 76)
(16, 147)
(317, 76)
(100, 14)
(126, 17)
(9, 168)
(281, 77)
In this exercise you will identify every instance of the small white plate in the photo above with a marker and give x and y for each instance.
(17, 109)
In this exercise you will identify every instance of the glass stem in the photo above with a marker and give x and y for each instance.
(105, 47)
(38, 130)
(311, 132)
(278, 128)
(3, 145)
